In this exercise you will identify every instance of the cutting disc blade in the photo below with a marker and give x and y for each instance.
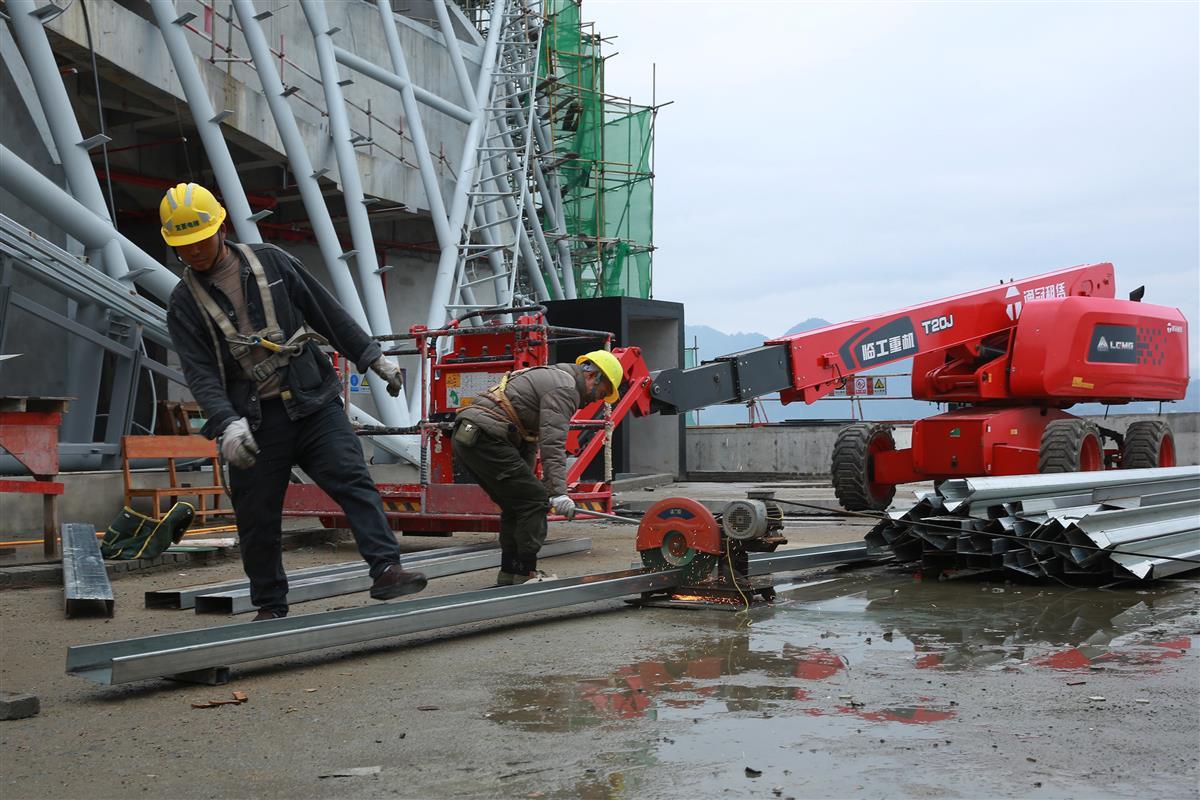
(675, 554)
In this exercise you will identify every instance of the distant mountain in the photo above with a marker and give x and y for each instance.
(810, 324)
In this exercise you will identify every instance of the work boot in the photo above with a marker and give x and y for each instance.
(510, 566)
(268, 613)
(394, 581)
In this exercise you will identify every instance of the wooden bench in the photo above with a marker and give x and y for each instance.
(173, 449)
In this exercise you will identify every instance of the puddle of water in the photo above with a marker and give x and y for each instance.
(802, 679)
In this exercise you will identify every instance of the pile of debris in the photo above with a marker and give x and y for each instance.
(1136, 523)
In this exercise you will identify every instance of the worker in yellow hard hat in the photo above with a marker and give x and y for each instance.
(498, 436)
(245, 321)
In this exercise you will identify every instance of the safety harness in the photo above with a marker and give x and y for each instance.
(269, 337)
(496, 395)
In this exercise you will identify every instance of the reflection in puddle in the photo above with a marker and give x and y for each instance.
(785, 662)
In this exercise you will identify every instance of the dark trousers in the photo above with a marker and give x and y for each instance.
(508, 479)
(323, 445)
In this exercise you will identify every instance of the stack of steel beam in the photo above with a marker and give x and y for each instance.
(1142, 524)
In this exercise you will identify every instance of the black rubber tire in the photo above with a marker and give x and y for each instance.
(1062, 445)
(853, 468)
(1144, 444)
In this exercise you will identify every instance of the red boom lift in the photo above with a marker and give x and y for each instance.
(1007, 359)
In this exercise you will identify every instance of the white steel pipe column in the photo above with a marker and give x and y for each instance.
(64, 128)
(391, 409)
(207, 122)
(347, 160)
(301, 164)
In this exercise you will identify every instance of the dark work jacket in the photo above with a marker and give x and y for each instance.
(309, 381)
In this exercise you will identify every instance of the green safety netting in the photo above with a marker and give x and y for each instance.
(605, 177)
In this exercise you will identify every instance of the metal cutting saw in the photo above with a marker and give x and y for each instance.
(711, 548)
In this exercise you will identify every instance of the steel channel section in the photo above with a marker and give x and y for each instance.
(186, 597)
(957, 491)
(173, 653)
(1151, 564)
(358, 578)
(207, 648)
(85, 579)
(68, 275)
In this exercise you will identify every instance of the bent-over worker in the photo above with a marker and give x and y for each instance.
(498, 436)
(245, 321)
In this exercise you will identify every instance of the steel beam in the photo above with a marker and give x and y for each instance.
(85, 580)
(208, 648)
(186, 596)
(358, 578)
(807, 557)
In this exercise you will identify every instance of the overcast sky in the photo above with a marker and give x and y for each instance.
(839, 160)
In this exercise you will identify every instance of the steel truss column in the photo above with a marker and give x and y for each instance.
(64, 128)
(301, 164)
(57, 205)
(170, 24)
(339, 132)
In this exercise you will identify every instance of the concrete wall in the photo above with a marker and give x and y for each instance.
(807, 448)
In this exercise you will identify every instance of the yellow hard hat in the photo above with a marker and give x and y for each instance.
(610, 366)
(189, 213)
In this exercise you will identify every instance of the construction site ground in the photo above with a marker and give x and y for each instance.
(863, 682)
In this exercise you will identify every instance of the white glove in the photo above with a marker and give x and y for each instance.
(238, 445)
(564, 505)
(387, 369)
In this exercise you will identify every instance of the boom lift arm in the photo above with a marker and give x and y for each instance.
(807, 366)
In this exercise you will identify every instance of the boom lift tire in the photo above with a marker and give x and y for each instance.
(1148, 443)
(854, 466)
(1070, 445)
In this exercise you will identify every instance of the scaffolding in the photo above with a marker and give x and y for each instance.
(604, 148)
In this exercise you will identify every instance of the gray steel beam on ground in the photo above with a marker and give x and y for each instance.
(85, 580)
(956, 491)
(211, 648)
(807, 557)
(186, 597)
(206, 648)
(358, 579)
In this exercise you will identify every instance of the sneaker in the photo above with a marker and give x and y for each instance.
(268, 613)
(504, 578)
(395, 581)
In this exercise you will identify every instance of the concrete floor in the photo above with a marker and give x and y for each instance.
(860, 682)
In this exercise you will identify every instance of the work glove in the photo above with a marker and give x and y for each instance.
(564, 505)
(238, 445)
(387, 369)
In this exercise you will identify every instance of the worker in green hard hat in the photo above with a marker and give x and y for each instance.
(498, 436)
(245, 321)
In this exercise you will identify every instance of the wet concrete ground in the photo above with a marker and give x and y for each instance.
(857, 683)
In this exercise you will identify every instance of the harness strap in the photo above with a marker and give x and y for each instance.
(270, 336)
(497, 395)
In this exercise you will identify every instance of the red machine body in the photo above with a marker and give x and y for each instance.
(1016, 354)
(447, 499)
